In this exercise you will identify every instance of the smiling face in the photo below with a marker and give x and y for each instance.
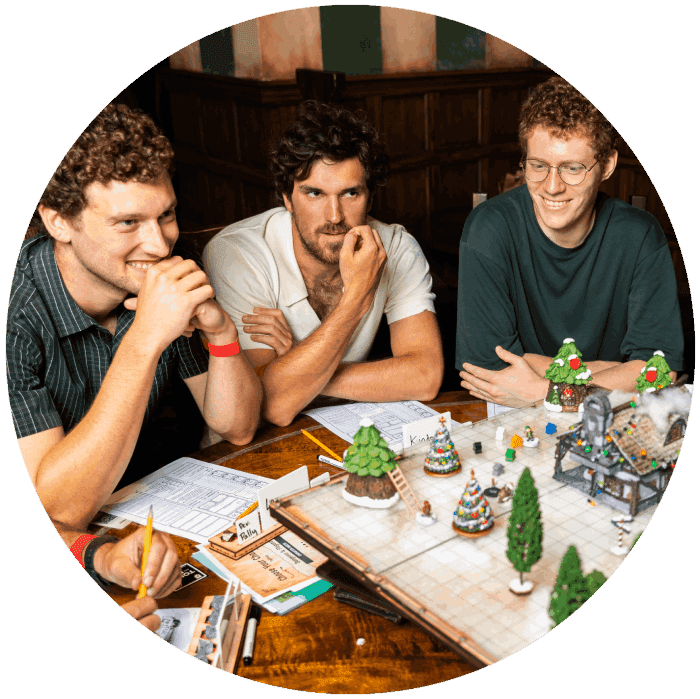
(125, 228)
(333, 199)
(565, 212)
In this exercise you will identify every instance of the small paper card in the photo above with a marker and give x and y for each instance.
(423, 430)
(293, 482)
(249, 526)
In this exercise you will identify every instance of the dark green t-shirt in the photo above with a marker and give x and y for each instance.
(615, 294)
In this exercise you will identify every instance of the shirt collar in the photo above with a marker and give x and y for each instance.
(68, 317)
(281, 243)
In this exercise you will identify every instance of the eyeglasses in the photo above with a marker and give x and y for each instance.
(570, 173)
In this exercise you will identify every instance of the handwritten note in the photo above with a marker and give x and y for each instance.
(423, 430)
(248, 527)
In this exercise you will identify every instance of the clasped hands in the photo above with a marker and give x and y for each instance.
(514, 386)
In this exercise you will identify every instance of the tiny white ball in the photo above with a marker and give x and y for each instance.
(360, 641)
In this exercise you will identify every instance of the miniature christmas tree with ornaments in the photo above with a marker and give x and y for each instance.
(442, 459)
(655, 375)
(568, 378)
(473, 516)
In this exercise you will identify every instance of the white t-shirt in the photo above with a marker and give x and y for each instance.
(252, 264)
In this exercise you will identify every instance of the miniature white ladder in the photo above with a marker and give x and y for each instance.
(404, 490)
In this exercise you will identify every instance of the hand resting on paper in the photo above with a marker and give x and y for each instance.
(120, 563)
(142, 610)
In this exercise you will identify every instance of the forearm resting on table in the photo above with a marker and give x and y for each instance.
(76, 475)
(539, 364)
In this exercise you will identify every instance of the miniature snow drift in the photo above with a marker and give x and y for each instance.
(473, 516)
(442, 459)
(626, 455)
(568, 378)
(369, 461)
(655, 375)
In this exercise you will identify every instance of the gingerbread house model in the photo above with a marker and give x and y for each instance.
(626, 455)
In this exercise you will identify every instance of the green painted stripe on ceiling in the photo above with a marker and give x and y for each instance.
(351, 39)
(459, 47)
(217, 53)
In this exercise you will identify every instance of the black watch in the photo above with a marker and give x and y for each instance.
(89, 559)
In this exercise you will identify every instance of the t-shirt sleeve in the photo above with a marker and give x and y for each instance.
(33, 409)
(485, 311)
(240, 282)
(654, 311)
(409, 291)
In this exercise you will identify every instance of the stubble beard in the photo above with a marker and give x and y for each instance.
(329, 255)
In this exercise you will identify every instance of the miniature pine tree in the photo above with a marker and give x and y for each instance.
(525, 526)
(473, 514)
(570, 590)
(567, 366)
(636, 539)
(595, 580)
(553, 398)
(442, 457)
(369, 455)
(656, 374)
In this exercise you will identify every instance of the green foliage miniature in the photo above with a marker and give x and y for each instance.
(553, 397)
(369, 455)
(656, 374)
(595, 580)
(571, 589)
(636, 539)
(567, 366)
(524, 526)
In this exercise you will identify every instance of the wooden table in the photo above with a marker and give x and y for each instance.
(314, 648)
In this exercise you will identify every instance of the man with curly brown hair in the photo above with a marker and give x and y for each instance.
(103, 316)
(558, 258)
(308, 283)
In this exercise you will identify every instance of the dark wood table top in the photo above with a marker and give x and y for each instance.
(314, 647)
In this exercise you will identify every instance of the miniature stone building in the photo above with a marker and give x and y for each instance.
(626, 454)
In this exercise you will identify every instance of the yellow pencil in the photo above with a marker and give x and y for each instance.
(247, 511)
(148, 535)
(323, 446)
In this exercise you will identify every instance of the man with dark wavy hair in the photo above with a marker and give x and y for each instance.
(103, 317)
(308, 283)
(557, 258)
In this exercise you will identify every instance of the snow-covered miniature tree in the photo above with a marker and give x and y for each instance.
(524, 531)
(595, 580)
(473, 515)
(656, 374)
(571, 589)
(369, 454)
(442, 459)
(568, 366)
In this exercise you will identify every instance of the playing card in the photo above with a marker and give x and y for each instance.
(191, 575)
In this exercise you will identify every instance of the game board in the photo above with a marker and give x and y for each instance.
(457, 588)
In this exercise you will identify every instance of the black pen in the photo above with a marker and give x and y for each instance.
(249, 642)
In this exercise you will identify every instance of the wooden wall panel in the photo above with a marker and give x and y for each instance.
(503, 117)
(457, 119)
(404, 125)
(218, 130)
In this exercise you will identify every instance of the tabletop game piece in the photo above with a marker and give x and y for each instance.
(498, 469)
(524, 532)
(473, 516)
(550, 428)
(368, 461)
(425, 517)
(500, 431)
(516, 441)
(477, 447)
(530, 440)
(655, 375)
(505, 493)
(492, 490)
(510, 454)
(620, 549)
(568, 378)
(442, 459)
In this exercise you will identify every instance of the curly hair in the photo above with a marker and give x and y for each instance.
(563, 110)
(120, 144)
(327, 132)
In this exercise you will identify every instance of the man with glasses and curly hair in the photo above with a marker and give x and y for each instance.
(307, 283)
(103, 317)
(558, 258)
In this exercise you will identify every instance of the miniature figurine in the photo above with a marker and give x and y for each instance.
(524, 532)
(368, 461)
(498, 469)
(442, 459)
(426, 517)
(516, 441)
(505, 493)
(473, 516)
(499, 433)
(530, 440)
(550, 428)
(510, 454)
(492, 490)
(568, 378)
(655, 375)
(477, 447)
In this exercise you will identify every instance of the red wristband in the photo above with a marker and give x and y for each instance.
(78, 545)
(224, 350)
